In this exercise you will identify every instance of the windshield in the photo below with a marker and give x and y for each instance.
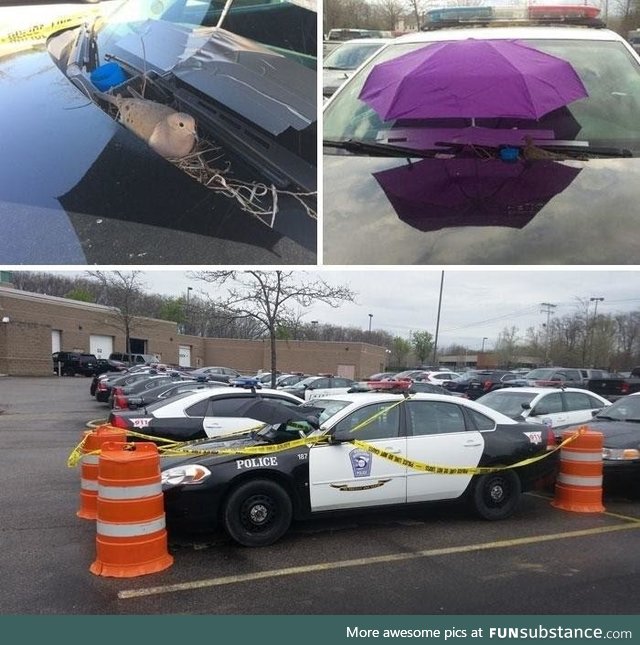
(509, 403)
(328, 407)
(301, 385)
(625, 409)
(607, 117)
(350, 55)
(282, 25)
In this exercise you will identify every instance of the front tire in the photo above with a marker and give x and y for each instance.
(257, 513)
(496, 496)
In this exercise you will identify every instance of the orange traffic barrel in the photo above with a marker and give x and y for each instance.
(579, 482)
(91, 444)
(131, 535)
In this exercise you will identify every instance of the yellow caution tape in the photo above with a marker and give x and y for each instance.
(40, 32)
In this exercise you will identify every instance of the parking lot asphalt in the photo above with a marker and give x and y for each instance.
(428, 560)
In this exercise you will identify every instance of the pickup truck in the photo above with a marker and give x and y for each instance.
(615, 387)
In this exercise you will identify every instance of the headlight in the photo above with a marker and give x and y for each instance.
(620, 454)
(184, 475)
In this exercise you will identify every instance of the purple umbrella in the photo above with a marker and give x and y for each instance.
(472, 79)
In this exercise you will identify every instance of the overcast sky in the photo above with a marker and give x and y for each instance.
(475, 303)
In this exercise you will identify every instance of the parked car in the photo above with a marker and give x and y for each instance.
(197, 415)
(254, 498)
(119, 394)
(72, 363)
(554, 407)
(615, 386)
(425, 184)
(161, 392)
(318, 386)
(104, 365)
(104, 386)
(133, 359)
(340, 64)
(224, 374)
(475, 383)
(619, 424)
(544, 376)
(439, 377)
(255, 113)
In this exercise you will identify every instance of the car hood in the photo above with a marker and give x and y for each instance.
(434, 211)
(616, 434)
(78, 188)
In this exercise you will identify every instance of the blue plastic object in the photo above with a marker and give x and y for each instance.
(107, 76)
(509, 154)
(246, 382)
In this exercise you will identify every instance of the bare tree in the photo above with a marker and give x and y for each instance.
(390, 12)
(124, 292)
(268, 297)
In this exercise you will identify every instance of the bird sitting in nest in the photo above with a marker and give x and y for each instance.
(170, 133)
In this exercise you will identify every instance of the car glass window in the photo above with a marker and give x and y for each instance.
(226, 407)
(595, 403)
(341, 382)
(577, 401)
(382, 422)
(549, 404)
(320, 383)
(434, 417)
(198, 409)
(481, 421)
(289, 404)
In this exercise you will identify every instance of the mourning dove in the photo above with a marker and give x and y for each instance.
(170, 133)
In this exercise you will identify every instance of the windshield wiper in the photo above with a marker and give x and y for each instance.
(375, 148)
(577, 151)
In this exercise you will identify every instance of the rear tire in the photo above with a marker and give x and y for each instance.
(496, 496)
(257, 513)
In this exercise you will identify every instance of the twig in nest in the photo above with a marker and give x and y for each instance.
(256, 198)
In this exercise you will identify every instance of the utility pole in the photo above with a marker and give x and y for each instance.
(435, 341)
(595, 320)
(547, 308)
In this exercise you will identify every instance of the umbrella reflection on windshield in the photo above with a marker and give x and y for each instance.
(439, 193)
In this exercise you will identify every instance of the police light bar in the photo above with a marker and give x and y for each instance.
(246, 382)
(562, 12)
(394, 387)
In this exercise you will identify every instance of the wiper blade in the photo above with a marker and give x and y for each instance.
(382, 149)
(577, 151)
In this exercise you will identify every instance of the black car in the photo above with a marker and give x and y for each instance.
(245, 194)
(132, 400)
(476, 383)
(444, 187)
(102, 391)
(72, 363)
(619, 424)
(254, 485)
(216, 373)
(139, 387)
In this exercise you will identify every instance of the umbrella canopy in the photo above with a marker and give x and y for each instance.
(472, 79)
(275, 412)
(438, 193)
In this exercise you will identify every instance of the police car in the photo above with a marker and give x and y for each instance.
(197, 415)
(372, 449)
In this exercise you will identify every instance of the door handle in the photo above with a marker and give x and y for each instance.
(472, 444)
(393, 451)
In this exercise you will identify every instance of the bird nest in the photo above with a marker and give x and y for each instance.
(207, 165)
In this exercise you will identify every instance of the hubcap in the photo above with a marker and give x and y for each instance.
(258, 513)
(496, 493)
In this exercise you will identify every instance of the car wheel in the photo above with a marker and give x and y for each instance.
(495, 496)
(257, 513)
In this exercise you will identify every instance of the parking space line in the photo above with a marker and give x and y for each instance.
(619, 516)
(358, 562)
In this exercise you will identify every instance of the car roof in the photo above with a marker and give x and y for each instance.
(545, 390)
(364, 398)
(530, 31)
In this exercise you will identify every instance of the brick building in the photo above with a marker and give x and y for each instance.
(32, 326)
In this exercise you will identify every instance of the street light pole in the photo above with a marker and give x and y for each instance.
(595, 319)
(435, 341)
(370, 318)
(186, 311)
(485, 338)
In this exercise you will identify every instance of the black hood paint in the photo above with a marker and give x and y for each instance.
(77, 187)
(616, 434)
(591, 221)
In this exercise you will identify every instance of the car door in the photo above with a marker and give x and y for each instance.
(438, 436)
(222, 416)
(579, 407)
(342, 475)
(549, 410)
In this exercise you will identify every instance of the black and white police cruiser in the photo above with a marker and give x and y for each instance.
(371, 449)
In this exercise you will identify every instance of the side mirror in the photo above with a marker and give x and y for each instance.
(526, 405)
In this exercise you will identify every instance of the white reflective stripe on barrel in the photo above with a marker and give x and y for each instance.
(90, 459)
(110, 529)
(575, 480)
(572, 455)
(129, 492)
(89, 484)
